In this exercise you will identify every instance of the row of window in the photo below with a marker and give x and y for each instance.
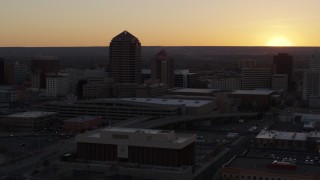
(231, 177)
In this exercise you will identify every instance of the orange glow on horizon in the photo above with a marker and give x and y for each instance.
(279, 41)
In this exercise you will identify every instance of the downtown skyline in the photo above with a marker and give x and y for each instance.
(47, 23)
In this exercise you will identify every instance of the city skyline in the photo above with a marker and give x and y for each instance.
(159, 23)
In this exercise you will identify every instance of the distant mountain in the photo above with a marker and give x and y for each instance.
(82, 57)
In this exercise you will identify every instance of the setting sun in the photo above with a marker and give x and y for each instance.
(279, 41)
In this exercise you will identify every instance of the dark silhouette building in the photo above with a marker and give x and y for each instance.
(125, 58)
(162, 68)
(1, 71)
(42, 65)
(282, 64)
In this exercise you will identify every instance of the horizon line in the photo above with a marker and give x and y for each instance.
(157, 46)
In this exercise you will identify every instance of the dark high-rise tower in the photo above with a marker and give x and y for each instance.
(282, 64)
(44, 64)
(162, 68)
(125, 58)
(1, 71)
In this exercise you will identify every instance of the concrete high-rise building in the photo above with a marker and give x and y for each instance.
(162, 68)
(1, 71)
(125, 58)
(57, 85)
(41, 65)
(225, 84)
(253, 78)
(282, 64)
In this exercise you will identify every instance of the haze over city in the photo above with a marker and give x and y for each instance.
(47, 23)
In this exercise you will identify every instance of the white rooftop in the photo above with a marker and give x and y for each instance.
(280, 135)
(253, 92)
(186, 102)
(136, 130)
(31, 114)
(137, 137)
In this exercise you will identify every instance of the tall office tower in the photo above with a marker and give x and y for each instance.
(311, 79)
(1, 71)
(125, 58)
(162, 68)
(253, 78)
(279, 82)
(16, 73)
(282, 64)
(311, 84)
(41, 65)
(184, 78)
(315, 63)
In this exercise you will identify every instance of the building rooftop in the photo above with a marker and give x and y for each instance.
(138, 137)
(81, 119)
(31, 114)
(309, 117)
(125, 36)
(253, 92)
(183, 72)
(193, 90)
(186, 102)
(287, 135)
(262, 164)
(161, 53)
(6, 88)
(145, 71)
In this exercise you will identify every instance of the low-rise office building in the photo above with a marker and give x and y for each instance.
(82, 123)
(193, 92)
(288, 140)
(141, 146)
(8, 95)
(252, 98)
(32, 120)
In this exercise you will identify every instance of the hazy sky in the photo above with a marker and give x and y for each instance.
(160, 22)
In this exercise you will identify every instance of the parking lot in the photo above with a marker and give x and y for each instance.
(296, 157)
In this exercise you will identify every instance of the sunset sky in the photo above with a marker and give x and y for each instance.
(160, 22)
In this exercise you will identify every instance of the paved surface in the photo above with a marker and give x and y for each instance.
(181, 119)
(36, 158)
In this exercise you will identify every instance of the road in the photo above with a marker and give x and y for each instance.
(35, 161)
